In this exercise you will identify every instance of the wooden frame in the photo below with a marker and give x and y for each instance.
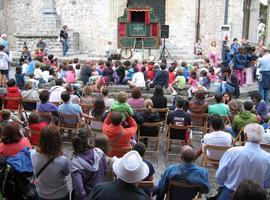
(202, 117)
(239, 138)
(15, 99)
(165, 111)
(46, 115)
(206, 160)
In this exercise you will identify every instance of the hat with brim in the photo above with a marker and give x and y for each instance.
(131, 168)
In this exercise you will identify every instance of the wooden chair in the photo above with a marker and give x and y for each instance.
(94, 131)
(240, 138)
(182, 190)
(206, 161)
(147, 185)
(200, 121)
(163, 111)
(14, 100)
(265, 147)
(148, 135)
(45, 117)
(29, 105)
(182, 131)
(56, 103)
(86, 108)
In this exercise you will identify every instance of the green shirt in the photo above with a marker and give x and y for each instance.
(123, 108)
(219, 108)
(181, 82)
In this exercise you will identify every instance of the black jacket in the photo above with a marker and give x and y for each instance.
(117, 190)
(86, 72)
(63, 34)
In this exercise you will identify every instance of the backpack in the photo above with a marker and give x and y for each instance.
(15, 185)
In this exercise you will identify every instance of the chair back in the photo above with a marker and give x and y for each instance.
(177, 132)
(265, 147)
(200, 121)
(86, 108)
(150, 129)
(240, 138)
(163, 112)
(182, 190)
(15, 103)
(68, 121)
(29, 105)
(216, 149)
(45, 117)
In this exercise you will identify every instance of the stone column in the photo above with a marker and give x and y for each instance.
(267, 28)
(49, 7)
(254, 21)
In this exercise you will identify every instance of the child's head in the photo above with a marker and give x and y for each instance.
(105, 92)
(70, 89)
(28, 85)
(163, 66)
(108, 64)
(76, 60)
(206, 61)
(78, 66)
(87, 90)
(171, 69)
(212, 71)
(47, 67)
(37, 65)
(102, 142)
(5, 114)
(183, 64)
(50, 57)
(34, 118)
(25, 61)
(193, 74)
(64, 68)
(70, 68)
(143, 69)
(31, 76)
(11, 82)
(140, 148)
(18, 70)
(100, 62)
(122, 97)
(203, 73)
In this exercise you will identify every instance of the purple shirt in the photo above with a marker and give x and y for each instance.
(136, 103)
(46, 107)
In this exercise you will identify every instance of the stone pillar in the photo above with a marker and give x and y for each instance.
(254, 21)
(2, 16)
(267, 28)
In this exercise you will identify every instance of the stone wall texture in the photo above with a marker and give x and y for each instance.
(96, 21)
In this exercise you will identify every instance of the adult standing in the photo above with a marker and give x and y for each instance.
(63, 39)
(214, 52)
(256, 161)
(5, 60)
(199, 48)
(264, 74)
(5, 43)
(25, 55)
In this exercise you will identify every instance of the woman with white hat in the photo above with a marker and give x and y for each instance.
(130, 169)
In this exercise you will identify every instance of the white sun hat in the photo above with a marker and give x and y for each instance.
(131, 168)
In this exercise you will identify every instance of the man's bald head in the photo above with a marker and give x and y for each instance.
(187, 154)
(116, 118)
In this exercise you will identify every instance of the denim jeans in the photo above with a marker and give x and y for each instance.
(264, 93)
(65, 46)
(225, 194)
(225, 87)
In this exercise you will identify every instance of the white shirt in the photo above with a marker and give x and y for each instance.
(55, 93)
(4, 61)
(38, 73)
(24, 68)
(46, 76)
(217, 138)
(266, 137)
(138, 79)
(108, 101)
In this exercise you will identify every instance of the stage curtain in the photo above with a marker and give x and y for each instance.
(122, 30)
(154, 30)
(147, 17)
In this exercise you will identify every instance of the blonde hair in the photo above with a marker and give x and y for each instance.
(87, 90)
(149, 105)
(122, 97)
(28, 85)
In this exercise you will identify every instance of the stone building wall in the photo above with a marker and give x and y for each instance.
(96, 21)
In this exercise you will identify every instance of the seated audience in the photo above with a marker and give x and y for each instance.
(29, 92)
(244, 118)
(198, 105)
(7, 117)
(98, 112)
(87, 95)
(52, 183)
(136, 100)
(117, 134)
(12, 91)
(159, 100)
(12, 140)
(137, 79)
(161, 77)
(235, 108)
(185, 171)
(121, 105)
(180, 118)
(229, 83)
(19, 76)
(256, 163)
(73, 98)
(227, 97)
(35, 124)
(217, 138)
(249, 189)
(260, 104)
(88, 165)
(56, 91)
(219, 107)
(44, 105)
(179, 83)
(130, 169)
(108, 101)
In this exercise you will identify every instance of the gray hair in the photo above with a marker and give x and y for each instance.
(254, 132)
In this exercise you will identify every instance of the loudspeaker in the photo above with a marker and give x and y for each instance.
(165, 31)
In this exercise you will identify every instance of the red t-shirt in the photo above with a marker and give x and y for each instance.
(13, 92)
(36, 127)
(171, 77)
(13, 149)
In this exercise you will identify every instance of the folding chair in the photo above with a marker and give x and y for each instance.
(94, 124)
(15, 100)
(163, 111)
(265, 147)
(86, 108)
(180, 137)
(206, 161)
(150, 132)
(27, 107)
(182, 190)
(200, 121)
(46, 117)
(147, 185)
(240, 138)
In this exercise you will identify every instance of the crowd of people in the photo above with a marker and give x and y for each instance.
(98, 167)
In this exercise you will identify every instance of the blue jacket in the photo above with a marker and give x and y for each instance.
(31, 67)
(189, 173)
(161, 78)
(240, 61)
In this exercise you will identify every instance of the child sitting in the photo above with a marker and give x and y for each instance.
(180, 82)
(7, 116)
(204, 81)
(71, 77)
(73, 98)
(38, 73)
(78, 71)
(192, 81)
(33, 81)
(121, 105)
(12, 91)
(35, 125)
(19, 78)
(25, 66)
(63, 71)
(87, 95)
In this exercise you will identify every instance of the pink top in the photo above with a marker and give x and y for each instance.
(136, 103)
(71, 78)
(192, 82)
(13, 149)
